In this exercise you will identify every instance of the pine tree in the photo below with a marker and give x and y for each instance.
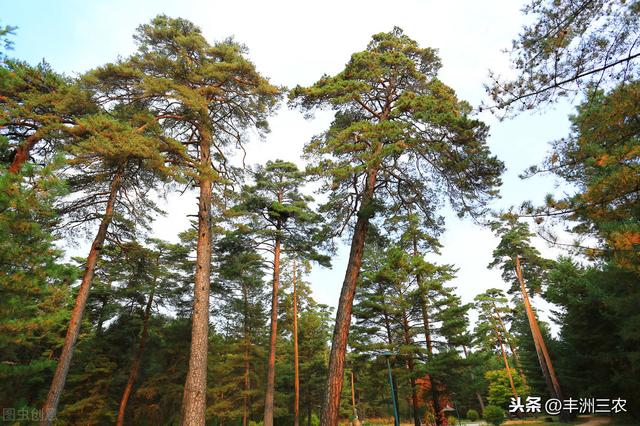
(112, 169)
(398, 129)
(280, 217)
(206, 97)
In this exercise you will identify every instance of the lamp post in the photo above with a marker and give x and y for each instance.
(396, 418)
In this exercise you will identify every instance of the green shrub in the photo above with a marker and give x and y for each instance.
(315, 420)
(452, 420)
(472, 415)
(493, 414)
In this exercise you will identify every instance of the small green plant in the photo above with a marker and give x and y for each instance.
(315, 420)
(452, 420)
(494, 415)
(473, 415)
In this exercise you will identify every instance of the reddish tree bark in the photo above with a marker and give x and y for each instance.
(22, 153)
(271, 362)
(135, 366)
(50, 407)
(195, 388)
(296, 371)
(331, 404)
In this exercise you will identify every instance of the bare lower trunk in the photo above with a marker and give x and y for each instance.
(296, 372)
(541, 349)
(133, 374)
(356, 420)
(194, 399)
(247, 384)
(408, 341)
(507, 337)
(331, 405)
(271, 362)
(506, 365)
(50, 407)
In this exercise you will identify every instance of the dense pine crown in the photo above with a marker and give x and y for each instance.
(393, 113)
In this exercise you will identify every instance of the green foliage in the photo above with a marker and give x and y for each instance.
(599, 323)
(569, 47)
(401, 128)
(494, 415)
(452, 420)
(34, 285)
(515, 240)
(600, 160)
(472, 415)
(500, 391)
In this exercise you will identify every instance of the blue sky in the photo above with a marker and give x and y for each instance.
(295, 43)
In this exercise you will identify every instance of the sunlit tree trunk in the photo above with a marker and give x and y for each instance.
(271, 362)
(331, 404)
(195, 389)
(296, 372)
(50, 407)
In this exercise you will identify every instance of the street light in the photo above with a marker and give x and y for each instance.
(393, 392)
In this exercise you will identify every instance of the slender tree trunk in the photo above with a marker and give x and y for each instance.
(296, 371)
(135, 366)
(541, 348)
(247, 384)
(409, 364)
(506, 364)
(22, 153)
(507, 337)
(356, 420)
(271, 362)
(331, 404)
(387, 326)
(50, 407)
(194, 399)
(435, 394)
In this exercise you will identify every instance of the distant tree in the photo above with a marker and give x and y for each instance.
(397, 130)
(279, 218)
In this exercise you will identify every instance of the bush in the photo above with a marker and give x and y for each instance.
(472, 415)
(452, 420)
(494, 415)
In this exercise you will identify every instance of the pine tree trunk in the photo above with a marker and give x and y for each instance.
(247, 384)
(135, 366)
(356, 420)
(296, 372)
(409, 364)
(22, 153)
(435, 394)
(541, 349)
(507, 337)
(331, 405)
(506, 364)
(271, 362)
(194, 399)
(50, 407)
